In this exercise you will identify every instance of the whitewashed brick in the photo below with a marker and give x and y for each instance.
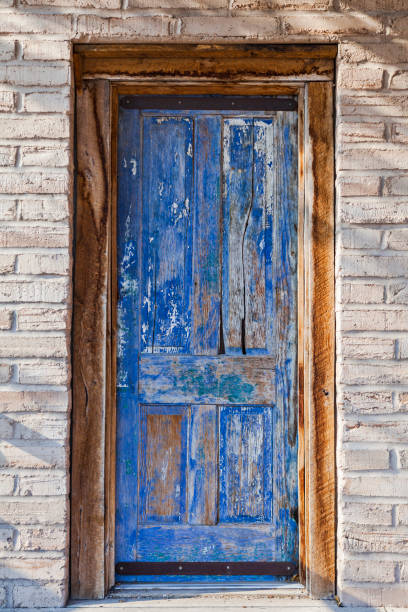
(26, 126)
(400, 27)
(380, 210)
(6, 427)
(370, 374)
(55, 209)
(33, 182)
(360, 77)
(49, 290)
(362, 570)
(397, 185)
(376, 486)
(331, 26)
(29, 511)
(20, 345)
(38, 75)
(367, 402)
(362, 293)
(30, 454)
(6, 3)
(398, 239)
(403, 401)
(363, 541)
(44, 483)
(382, 52)
(43, 264)
(399, 80)
(380, 266)
(402, 514)
(40, 426)
(359, 347)
(403, 456)
(182, 4)
(52, 157)
(367, 513)
(7, 101)
(374, 320)
(255, 27)
(44, 373)
(43, 538)
(6, 319)
(366, 459)
(33, 569)
(37, 596)
(21, 23)
(7, 263)
(402, 351)
(397, 293)
(387, 6)
(361, 132)
(34, 236)
(358, 186)
(403, 571)
(399, 133)
(46, 50)
(7, 50)
(374, 105)
(50, 102)
(98, 4)
(6, 538)
(361, 238)
(6, 489)
(373, 595)
(8, 210)
(374, 158)
(42, 319)
(8, 156)
(144, 27)
(6, 372)
(30, 401)
(390, 431)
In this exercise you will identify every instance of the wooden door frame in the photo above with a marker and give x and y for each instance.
(102, 72)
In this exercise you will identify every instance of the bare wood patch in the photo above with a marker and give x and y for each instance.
(89, 336)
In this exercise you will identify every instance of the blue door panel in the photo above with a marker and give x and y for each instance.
(207, 332)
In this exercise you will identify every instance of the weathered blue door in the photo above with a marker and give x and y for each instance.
(207, 335)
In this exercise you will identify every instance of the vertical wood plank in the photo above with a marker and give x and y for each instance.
(163, 464)
(128, 330)
(203, 466)
(283, 343)
(237, 206)
(254, 247)
(245, 463)
(89, 337)
(207, 272)
(167, 234)
(321, 453)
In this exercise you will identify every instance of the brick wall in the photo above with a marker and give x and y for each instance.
(371, 269)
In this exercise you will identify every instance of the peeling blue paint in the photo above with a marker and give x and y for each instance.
(207, 404)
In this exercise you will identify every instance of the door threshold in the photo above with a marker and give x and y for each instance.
(205, 587)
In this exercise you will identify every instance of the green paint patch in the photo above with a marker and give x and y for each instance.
(228, 386)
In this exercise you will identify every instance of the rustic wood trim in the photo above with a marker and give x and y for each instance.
(91, 357)
(94, 325)
(301, 323)
(221, 51)
(320, 508)
(211, 62)
(172, 87)
(110, 429)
